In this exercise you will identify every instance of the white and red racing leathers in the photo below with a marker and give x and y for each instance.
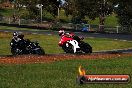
(64, 39)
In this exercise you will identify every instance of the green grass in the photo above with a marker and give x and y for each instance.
(62, 74)
(50, 43)
(110, 21)
(108, 44)
(6, 12)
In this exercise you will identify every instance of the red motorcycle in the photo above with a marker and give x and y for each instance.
(73, 44)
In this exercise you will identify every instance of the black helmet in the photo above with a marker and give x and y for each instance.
(15, 34)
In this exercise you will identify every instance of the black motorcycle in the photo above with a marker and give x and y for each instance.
(34, 48)
(26, 47)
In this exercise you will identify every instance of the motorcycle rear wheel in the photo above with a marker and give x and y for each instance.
(85, 47)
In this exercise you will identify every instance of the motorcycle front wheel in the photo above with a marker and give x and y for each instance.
(16, 51)
(39, 51)
(68, 48)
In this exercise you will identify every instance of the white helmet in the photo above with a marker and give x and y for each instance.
(61, 32)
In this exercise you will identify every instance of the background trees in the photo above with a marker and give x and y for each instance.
(101, 9)
(124, 13)
(89, 8)
(31, 7)
(78, 9)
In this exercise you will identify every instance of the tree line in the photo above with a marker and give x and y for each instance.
(79, 9)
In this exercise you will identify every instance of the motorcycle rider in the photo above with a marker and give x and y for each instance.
(68, 36)
(17, 37)
(64, 37)
(17, 41)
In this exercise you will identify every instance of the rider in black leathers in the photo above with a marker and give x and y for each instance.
(18, 42)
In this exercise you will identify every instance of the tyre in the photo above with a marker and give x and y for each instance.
(16, 51)
(68, 48)
(85, 47)
(39, 51)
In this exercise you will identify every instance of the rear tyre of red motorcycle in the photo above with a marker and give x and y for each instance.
(86, 48)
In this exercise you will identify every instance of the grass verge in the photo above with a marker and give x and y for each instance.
(62, 74)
